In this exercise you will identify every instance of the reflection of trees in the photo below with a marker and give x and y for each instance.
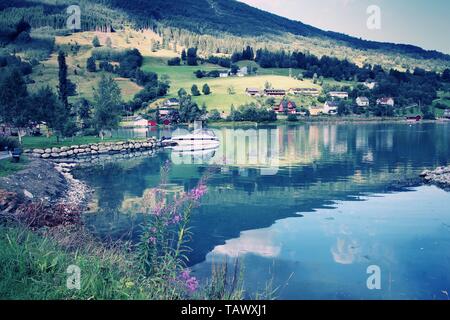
(318, 164)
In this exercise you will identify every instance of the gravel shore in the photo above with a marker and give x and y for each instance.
(44, 181)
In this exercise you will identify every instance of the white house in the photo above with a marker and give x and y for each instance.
(242, 72)
(330, 107)
(313, 92)
(172, 102)
(370, 84)
(387, 101)
(223, 75)
(362, 102)
(140, 122)
(253, 92)
(338, 94)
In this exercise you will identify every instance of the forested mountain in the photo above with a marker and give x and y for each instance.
(212, 17)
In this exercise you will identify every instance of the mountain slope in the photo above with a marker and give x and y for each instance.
(214, 17)
(236, 18)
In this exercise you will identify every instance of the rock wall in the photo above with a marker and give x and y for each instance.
(94, 149)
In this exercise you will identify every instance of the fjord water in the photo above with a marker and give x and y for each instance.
(307, 207)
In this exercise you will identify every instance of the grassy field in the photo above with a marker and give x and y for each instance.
(7, 167)
(183, 77)
(47, 72)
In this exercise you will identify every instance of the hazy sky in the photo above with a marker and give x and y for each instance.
(419, 22)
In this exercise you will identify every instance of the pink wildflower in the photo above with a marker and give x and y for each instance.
(192, 284)
(176, 219)
(198, 192)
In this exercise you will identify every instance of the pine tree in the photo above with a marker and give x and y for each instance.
(206, 90)
(194, 90)
(63, 87)
(91, 65)
(96, 42)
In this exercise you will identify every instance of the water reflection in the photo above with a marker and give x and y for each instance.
(269, 180)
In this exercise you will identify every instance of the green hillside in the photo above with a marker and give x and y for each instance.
(212, 25)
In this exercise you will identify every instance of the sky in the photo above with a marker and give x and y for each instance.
(418, 22)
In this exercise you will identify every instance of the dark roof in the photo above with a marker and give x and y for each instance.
(332, 103)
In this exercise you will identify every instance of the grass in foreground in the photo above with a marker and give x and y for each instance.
(35, 267)
(7, 167)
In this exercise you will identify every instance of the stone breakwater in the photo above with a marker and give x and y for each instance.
(95, 149)
(439, 177)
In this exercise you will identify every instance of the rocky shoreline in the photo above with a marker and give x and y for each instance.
(439, 177)
(42, 182)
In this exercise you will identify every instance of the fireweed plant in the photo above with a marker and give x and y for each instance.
(163, 244)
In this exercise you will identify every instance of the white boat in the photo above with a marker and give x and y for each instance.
(199, 138)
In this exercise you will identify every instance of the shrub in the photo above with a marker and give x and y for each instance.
(96, 42)
(174, 62)
(214, 115)
(206, 90)
(194, 90)
(292, 118)
(8, 143)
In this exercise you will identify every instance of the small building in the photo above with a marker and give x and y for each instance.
(140, 122)
(362, 102)
(417, 118)
(242, 72)
(330, 107)
(286, 107)
(224, 74)
(338, 94)
(275, 92)
(166, 111)
(386, 101)
(253, 92)
(172, 102)
(312, 92)
(370, 84)
(315, 111)
(447, 114)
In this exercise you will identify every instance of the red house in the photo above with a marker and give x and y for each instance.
(286, 106)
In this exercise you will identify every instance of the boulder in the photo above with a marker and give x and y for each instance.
(39, 151)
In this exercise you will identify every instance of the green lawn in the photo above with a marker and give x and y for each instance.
(7, 167)
(44, 142)
(183, 77)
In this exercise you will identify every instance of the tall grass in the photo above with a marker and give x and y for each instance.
(34, 267)
(34, 257)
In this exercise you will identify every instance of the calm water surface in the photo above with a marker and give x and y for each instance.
(308, 207)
